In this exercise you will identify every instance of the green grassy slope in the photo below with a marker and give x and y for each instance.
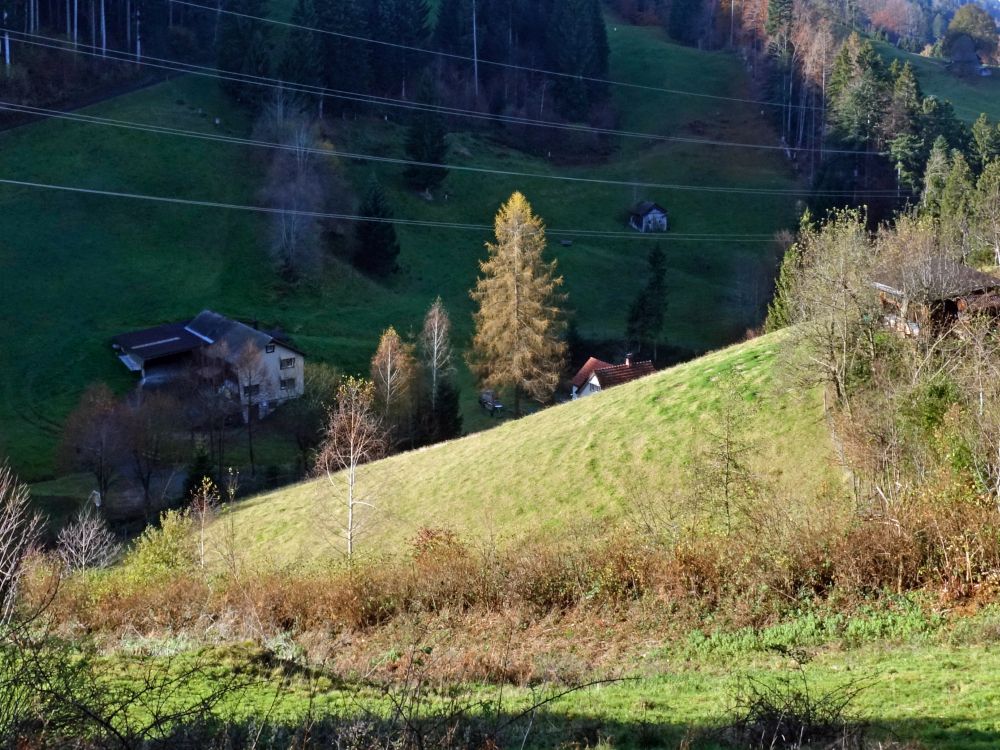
(75, 270)
(585, 462)
(970, 96)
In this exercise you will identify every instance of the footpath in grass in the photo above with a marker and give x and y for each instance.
(76, 270)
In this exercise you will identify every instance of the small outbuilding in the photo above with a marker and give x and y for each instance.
(932, 294)
(648, 217)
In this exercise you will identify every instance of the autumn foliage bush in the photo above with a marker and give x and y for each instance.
(949, 544)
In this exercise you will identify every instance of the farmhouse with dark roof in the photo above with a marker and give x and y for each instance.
(255, 366)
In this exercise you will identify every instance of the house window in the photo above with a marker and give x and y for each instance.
(288, 364)
(288, 384)
(269, 349)
(249, 391)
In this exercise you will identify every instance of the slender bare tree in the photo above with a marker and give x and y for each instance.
(19, 532)
(435, 347)
(354, 437)
(87, 542)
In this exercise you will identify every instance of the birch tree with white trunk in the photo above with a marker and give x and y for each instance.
(435, 346)
(354, 436)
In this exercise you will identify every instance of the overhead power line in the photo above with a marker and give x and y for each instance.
(495, 63)
(333, 152)
(278, 84)
(593, 234)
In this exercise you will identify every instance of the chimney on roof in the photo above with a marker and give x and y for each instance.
(628, 359)
(256, 324)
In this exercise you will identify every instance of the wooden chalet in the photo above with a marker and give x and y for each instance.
(933, 294)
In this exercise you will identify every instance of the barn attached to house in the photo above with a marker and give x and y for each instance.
(931, 295)
(648, 217)
(597, 375)
(257, 367)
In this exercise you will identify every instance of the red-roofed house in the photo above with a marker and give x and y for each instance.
(597, 375)
(581, 383)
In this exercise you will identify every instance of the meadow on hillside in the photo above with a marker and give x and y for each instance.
(77, 270)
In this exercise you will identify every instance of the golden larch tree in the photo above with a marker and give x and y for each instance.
(518, 343)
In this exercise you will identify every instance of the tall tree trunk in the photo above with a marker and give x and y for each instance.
(104, 29)
(76, 22)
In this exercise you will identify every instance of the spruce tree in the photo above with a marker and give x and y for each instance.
(447, 412)
(426, 142)
(646, 316)
(577, 46)
(935, 176)
(860, 104)
(301, 58)
(405, 23)
(519, 324)
(378, 246)
(244, 49)
(958, 205)
(986, 141)
(904, 109)
(344, 62)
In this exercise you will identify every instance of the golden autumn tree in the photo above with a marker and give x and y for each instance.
(518, 343)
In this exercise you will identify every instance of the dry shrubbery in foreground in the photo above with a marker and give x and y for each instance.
(946, 541)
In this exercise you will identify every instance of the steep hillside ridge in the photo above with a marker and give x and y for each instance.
(587, 463)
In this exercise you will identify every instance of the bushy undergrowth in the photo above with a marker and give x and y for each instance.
(807, 585)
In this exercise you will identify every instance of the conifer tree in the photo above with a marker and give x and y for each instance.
(426, 142)
(301, 58)
(405, 23)
(518, 342)
(859, 107)
(957, 206)
(780, 313)
(986, 141)
(578, 46)
(935, 177)
(244, 48)
(646, 316)
(345, 62)
(988, 208)
(904, 109)
(453, 31)
(378, 246)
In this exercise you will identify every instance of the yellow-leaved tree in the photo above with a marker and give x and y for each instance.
(519, 344)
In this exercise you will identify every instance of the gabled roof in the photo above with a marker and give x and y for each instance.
(618, 374)
(645, 207)
(213, 328)
(157, 342)
(587, 371)
(933, 279)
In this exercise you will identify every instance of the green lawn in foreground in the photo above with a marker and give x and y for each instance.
(941, 696)
(586, 462)
(76, 270)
